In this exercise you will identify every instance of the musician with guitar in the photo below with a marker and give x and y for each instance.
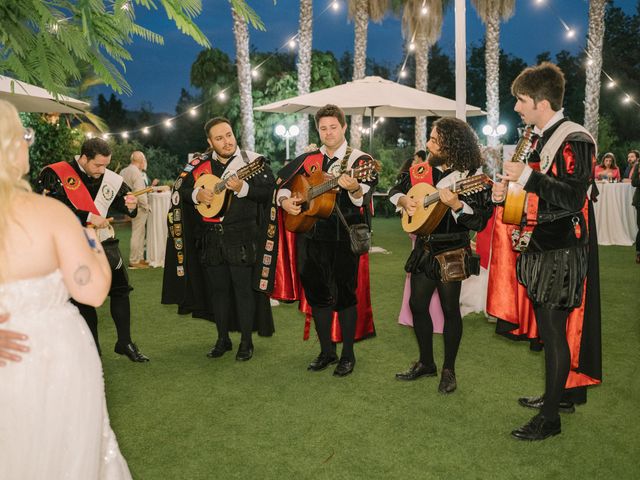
(218, 208)
(319, 187)
(553, 234)
(442, 200)
(90, 189)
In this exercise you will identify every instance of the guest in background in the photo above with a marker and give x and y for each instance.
(418, 157)
(632, 160)
(134, 176)
(607, 170)
(635, 181)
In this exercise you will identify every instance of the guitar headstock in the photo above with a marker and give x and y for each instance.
(474, 184)
(365, 170)
(251, 169)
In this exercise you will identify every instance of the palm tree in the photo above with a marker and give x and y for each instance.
(594, 65)
(361, 11)
(243, 64)
(491, 12)
(305, 35)
(423, 30)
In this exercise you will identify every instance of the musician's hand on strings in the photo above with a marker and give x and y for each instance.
(409, 205)
(350, 184)
(9, 343)
(234, 183)
(131, 201)
(205, 196)
(291, 205)
(511, 171)
(450, 199)
(498, 191)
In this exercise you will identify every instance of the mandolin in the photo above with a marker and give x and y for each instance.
(317, 194)
(516, 199)
(222, 195)
(430, 210)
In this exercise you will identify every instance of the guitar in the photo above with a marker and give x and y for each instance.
(516, 199)
(318, 195)
(222, 195)
(430, 210)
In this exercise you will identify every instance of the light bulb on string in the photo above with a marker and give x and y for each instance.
(89, 134)
(626, 99)
(611, 84)
(145, 130)
(193, 111)
(335, 5)
(167, 123)
(412, 46)
(222, 96)
(125, 134)
(292, 43)
(571, 33)
(255, 73)
(403, 73)
(105, 136)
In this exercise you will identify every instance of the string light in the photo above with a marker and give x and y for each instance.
(167, 123)
(105, 136)
(292, 43)
(125, 134)
(255, 73)
(627, 99)
(571, 33)
(222, 96)
(89, 134)
(193, 111)
(412, 46)
(403, 73)
(611, 84)
(335, 5)
(145, 130)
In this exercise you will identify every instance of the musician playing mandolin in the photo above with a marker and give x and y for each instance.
(329, 273)
(210, 258)
(557, 261)
(90, 189)
(442, 259)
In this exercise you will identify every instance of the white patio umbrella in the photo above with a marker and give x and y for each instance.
(372, 96)
(29, 98)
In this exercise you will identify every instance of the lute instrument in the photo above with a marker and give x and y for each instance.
(222, 195)
(516, 199)
(430, 209)
(317, 195)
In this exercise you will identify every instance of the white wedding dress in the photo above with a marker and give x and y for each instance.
(53, 414)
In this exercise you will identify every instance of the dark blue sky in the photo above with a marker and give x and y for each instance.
(158, 72)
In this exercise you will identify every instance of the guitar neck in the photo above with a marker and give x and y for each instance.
(325, 186)
(243, 173)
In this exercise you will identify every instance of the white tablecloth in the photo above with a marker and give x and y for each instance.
(615, 216)
(159, 202)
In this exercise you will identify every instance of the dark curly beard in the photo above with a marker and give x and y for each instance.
(435, 161)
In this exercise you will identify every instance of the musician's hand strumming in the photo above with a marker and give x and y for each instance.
(511, 171)
(291, 205)
(205, 196)
(409, 204)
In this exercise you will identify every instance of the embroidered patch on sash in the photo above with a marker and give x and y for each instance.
(271, 231)
(177, 215)
(269, 245)
(107, 192)
(72, 183)
(273, 214)
(263, 285)
(266, 259)
(177, 229)
(335, 169)
(180, 257)
(180, 270)
(178, 243)
(195, 162)
(188, 168)
(178, 183)
(265, 272)
(175, 198)
(183, 174)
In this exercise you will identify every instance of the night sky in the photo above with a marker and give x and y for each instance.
(158, 72)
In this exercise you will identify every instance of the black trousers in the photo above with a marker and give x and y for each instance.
(231, 292)
(638, 224)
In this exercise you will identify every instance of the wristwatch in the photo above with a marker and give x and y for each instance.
(459, 210)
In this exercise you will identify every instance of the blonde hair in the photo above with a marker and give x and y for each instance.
(12, 171)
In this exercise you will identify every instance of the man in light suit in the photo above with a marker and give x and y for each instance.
(134, 177)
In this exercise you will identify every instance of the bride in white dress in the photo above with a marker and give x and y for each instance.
(53, 415)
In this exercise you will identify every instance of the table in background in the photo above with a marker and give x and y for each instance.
(615, 216)
(157, 229)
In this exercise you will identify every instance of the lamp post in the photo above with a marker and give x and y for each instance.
(282, 132)
(489, 131)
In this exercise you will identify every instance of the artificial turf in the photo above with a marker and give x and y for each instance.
(185, 416)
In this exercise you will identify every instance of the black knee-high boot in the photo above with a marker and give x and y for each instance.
(121, 314)
(90, 316)
(347, 319)
(322, 318)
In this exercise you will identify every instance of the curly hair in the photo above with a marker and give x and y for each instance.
(458, 144)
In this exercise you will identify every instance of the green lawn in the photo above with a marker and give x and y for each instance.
(184, 416)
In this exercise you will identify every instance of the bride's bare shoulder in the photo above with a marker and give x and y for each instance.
(46, 207)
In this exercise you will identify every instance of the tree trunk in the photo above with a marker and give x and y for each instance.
(243, 63)
(361, 23)
(595, 40)
(492, 66)
(422, 72)
(305, 35)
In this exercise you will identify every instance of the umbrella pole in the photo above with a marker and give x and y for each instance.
(371, 130)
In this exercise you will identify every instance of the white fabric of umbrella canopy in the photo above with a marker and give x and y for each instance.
(360, 97)
(29, 98)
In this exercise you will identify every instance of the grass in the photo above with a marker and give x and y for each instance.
(185, 416)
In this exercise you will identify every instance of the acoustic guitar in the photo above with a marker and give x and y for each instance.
(430, 209)
(516, 200)
(317, 194)
(222, 195)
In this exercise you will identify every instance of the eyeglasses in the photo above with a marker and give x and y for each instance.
(29, 136)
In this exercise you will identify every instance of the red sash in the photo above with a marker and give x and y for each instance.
(421, 173)
(313, 163)
(76, 191)
(202, 169)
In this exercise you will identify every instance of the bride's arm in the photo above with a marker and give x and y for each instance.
(82, 261)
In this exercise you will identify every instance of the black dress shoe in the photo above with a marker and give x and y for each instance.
(131, 351)
(447, 381)
(245, 351)
(538, 428)
(322, 361)
(222, 346)
(565, 406)
(418, 370)
(344, 367)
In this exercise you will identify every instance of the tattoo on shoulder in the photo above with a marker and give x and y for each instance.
(82, 275)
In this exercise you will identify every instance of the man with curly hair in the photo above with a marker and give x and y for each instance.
(454, 154)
